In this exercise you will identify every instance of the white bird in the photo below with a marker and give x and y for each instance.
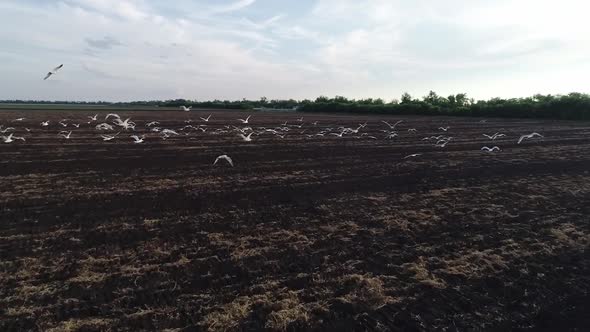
(245, 121)
(284, 124)
(77, 125)
(125, 124)
(392, 126)
(5, 129)
(412, 130)
(224, 157)
(63, 124)
(109, 137)
(339, 135)
(45, 123)
(10, 138)
(300, 119)
(444, 128)
(113, 115)
(28, 130)
(246, 138)
(19, 119)
(53, 72)
(104, 126)
(529, 136)
(138, 139)
(153, 123)
(206, 119)
(412, 155)
(64, 135)
(93, 118)
(186, 109)
(495, 148)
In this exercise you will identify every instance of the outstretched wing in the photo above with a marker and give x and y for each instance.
(47, 76)
(57, 68)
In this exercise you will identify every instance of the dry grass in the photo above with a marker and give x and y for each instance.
(89, 324)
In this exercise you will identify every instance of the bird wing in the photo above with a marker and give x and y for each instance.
(57, 68)
(47, 76)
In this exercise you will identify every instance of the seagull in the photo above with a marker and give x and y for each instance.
(113, 115)
(245, 121)
(529, 136)
(339, 135)
(45, 123)
(224, 157)
(19, 119)
(64, 135)
(246, 138)
(5, 129)
(153, 123)
(63, 124)
(109, 137)
(125, 124)
(412, 130)
(93, 118)
(284, 124)
(495, 148)
(186, 109)
(206, 119)
(412, 155)
(28, 130)
(53, 72)
(77, 125)
(300, 119)
(138, 139)
(444, 128)
(392, 126)
(104, 126)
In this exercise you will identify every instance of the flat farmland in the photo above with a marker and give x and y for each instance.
(321, 224)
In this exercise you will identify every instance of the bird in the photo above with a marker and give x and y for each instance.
(77, 125)
(339, 135)
(224, 157)
(104, 126)
(113, 115)
(495, 148)
(18, 119)
(125, 124)
(10, 138)
(315, 123)
(523, 137)
(138, 139)
(186, 109)
(246, 138)
(63, 124)
(206, 119)
(64, 135)
(392, 126)
(45, 123)
(53, 72)
(245, 121)
(5, 129)
(444, 128)
(153, 123)
(412, 130)
(93, 118)
(109, 137)
(300, 119)
(412, 155)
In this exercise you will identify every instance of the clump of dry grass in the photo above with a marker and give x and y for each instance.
(230, 316)
(364, 291)
(89, 324)
(423, 275)
(569, 235)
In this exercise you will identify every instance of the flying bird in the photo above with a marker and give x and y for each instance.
(138, 139)
(392, 126)
(224, 157)
(245, 121)
(206, 119)
(495, 148)
(412, 155)
(444, 128)
(19, 119)
(246, 138)
(53, 72)
(113, 115)
(109, 137)
(523, 137)
(45, 123)
(65, 134)
(186, 109)
(93, 118)
(153, 123)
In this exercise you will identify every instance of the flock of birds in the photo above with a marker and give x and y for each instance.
(112, 126)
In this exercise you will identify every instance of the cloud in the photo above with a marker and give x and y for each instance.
(232, 7)
(105, 43)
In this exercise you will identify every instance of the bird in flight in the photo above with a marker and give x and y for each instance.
(186, 109)
(523, 137)
(206, 119)
(412, 155)
(245, 121)
(113, 115)
(45, 123)
(444, 128)
(53, 72)
(93, 118)
(109, 137)
(10, 138)
(138, 139)
(392, 126)
(224, 157)
(246, 138)
(65, 134)
(492, 149)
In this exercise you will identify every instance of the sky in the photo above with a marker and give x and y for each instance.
(121, 50)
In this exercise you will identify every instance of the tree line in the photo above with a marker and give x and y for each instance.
(573, 106)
